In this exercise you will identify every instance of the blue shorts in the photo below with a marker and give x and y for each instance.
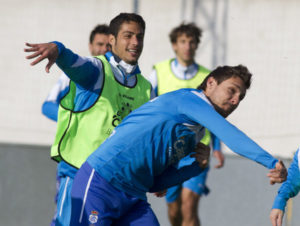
(195, 184)
(96, 202)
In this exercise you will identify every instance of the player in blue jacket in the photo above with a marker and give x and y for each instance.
(142, 154)
(103, 90)
(289, 189)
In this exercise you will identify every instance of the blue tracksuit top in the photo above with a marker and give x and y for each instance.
(291, 187)
(143, 152)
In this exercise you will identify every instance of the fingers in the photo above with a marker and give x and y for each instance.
(202, 147)
(204, 163)
(42, 51)
(30, 44)
(276, 216)
(275, 179)
(279, 221)
(37, 53)
(201, 159)
(278, 174)
(273, 221)
(49, 65)
(220, 165)
(160, 193)
(202, 153)
(39, 59)
(33, 47)
(220, 158)
(280, 165)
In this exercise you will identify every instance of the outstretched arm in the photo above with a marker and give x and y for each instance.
(204, 114)
(84, 71)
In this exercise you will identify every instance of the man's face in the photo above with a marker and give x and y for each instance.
(185, 48)
(225, 96)
(128, 44)
(100, 45)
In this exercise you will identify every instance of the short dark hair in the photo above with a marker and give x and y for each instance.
(115, 23)
(99, 29)
(190, 30)
(223, 73)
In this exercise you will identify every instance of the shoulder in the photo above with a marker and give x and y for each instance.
(203, 69)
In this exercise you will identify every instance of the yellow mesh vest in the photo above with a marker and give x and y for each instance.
(167, 82)
(80, 133)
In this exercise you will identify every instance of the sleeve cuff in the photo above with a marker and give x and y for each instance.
(60, 46)
(279, 203)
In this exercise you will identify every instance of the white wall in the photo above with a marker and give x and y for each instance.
(260, 34)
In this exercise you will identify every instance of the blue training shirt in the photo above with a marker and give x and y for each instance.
(143, 152)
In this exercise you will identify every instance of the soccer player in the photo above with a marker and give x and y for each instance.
(170, 75)
(142, 154)
(289, 189)
(102, 91)
(98, 45)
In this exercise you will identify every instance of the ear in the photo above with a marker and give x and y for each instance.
(112, 40)
(90, 47)
(211, 83)
(174, 46)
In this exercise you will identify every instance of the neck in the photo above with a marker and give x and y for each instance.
(185, 63)
(118, 59)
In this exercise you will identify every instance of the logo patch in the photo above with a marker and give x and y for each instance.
(93, 218)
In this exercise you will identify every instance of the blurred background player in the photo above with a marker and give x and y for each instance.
(289, 189)
(170, 75)
(98, 45)
(103, 90)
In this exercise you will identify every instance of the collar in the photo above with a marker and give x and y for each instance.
(191, 67)
(201, 94)
(124, 67)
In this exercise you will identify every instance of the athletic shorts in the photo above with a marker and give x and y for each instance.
(195, 184)
(96, 202)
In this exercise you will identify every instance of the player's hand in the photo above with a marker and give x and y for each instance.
(42, 51)
(160, 194)
(202, 155)
(278, 174)
(276, 216)
(220, 158)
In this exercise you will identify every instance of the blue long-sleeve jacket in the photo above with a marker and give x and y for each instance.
(291, 187)
(144, 151)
